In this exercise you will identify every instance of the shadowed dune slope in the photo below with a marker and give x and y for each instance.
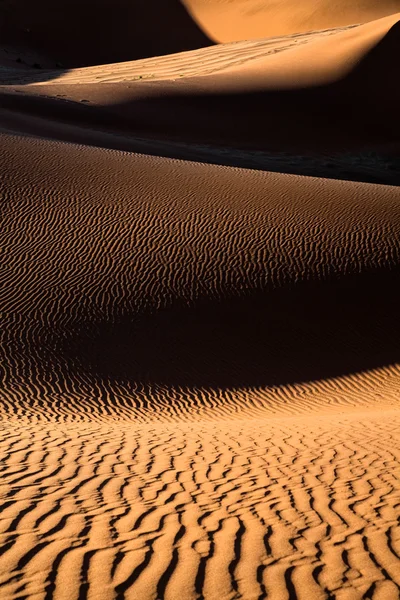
(87, 32)
(338, 91)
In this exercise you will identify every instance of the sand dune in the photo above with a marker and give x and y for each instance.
(145, 294)
(200, 363)
(143, 467)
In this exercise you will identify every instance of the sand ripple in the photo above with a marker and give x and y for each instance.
(290, 508)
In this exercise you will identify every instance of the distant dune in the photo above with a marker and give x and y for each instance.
(200, 363)
(225, 20)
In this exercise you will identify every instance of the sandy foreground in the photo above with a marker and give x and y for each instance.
(200, 365)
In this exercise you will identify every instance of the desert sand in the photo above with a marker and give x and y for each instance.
(200, 364)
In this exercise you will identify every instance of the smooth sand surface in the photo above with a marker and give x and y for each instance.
(200, 364)
(227, 20)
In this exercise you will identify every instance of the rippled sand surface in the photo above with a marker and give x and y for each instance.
(158, 436)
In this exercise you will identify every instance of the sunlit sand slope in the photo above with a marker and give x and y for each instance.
(200, 393)
(288, 508)
(226, 20)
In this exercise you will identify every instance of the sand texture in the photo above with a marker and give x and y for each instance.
(200, 363)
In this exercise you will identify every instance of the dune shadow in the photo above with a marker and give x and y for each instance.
(78, 33)
(307, 332)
